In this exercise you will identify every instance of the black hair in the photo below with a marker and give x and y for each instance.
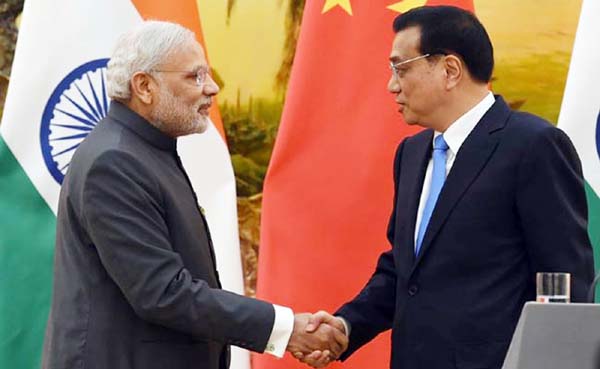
(451, 30)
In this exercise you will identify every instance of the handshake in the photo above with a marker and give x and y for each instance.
(317, 339)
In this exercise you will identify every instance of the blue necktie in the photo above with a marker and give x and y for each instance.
(438, 176)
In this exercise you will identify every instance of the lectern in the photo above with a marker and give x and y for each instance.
(556, 336)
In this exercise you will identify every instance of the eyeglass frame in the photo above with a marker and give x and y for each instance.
(201, 74)
(394, 66)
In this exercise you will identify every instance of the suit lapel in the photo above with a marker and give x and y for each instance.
(470, 160)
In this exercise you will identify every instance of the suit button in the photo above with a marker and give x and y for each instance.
(413, 289)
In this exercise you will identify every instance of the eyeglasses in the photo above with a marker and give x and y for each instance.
(395, 66)
(201, 75)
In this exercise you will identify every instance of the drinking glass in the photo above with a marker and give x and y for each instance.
(553, 287)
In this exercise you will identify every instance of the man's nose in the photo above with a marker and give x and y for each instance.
(210, 87)
(393, 84)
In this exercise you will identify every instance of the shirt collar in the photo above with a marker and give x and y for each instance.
(140, 126)
(458, 131)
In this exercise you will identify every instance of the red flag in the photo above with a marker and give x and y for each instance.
(329, 189)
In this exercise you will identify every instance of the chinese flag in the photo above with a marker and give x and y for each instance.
(329, 188)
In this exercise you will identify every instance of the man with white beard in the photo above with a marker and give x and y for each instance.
(135, 277)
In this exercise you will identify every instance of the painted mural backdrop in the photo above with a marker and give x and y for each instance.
(9, 11)
(251, 45)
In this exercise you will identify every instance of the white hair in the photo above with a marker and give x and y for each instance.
(141, 50)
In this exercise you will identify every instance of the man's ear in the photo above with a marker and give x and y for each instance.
(143, 87)
(454, 70)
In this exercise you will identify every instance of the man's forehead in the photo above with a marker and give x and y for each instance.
(406, 43)
(200, 48)
(192, 47)
(190, 53)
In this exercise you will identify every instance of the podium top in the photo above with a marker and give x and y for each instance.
(556, 336)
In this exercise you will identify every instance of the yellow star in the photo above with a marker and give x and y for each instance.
(406, 5)
(344, 4)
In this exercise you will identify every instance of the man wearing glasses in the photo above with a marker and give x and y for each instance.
(485, 197)
(136, 282)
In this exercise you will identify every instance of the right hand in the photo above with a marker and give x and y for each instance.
(319, 339)
(320, 323)
(323, 317)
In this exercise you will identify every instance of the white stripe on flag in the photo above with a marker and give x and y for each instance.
(580, 109)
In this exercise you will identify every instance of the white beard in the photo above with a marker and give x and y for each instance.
(176, 118)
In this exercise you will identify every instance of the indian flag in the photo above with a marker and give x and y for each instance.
(56, 95)
(580, 111)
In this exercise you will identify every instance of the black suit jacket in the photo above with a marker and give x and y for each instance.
(513, 204)
(135, 281)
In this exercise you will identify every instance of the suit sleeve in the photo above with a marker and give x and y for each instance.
(372, 310)
(122, 209)
(552, 207)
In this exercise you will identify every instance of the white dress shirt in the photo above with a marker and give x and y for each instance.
(281, 332)
(454, 136)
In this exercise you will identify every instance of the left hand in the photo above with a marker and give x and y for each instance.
(322, 358)
(324, 338)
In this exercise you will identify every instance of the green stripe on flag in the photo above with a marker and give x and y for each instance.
(26, 257)
(594, 222)
(594, 227)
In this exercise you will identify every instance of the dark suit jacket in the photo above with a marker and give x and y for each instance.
(135, 281)
(513, 204)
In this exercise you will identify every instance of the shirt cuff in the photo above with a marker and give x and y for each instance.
(347, 326)
(281, 332)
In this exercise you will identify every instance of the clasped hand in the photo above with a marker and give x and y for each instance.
(317, 339)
